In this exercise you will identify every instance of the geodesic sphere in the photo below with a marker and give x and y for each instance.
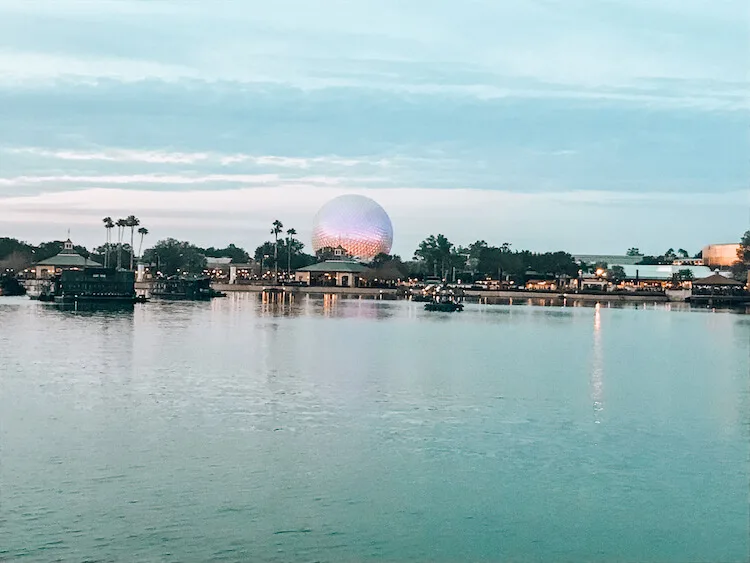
(354, 222)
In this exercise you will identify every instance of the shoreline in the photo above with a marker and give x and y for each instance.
(472, 295)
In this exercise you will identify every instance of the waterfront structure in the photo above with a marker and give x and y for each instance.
(356, 223)
(243, 273)
(720, 255)
(606, 259)
(190, 288)
(92, 285)
(67, 259)
(641, 276)
(341, 273)
(716, 289)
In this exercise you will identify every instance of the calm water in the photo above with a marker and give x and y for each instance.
(352, 430)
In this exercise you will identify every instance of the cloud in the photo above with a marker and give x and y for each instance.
(508, 119)
(117, 155)
(609, 50)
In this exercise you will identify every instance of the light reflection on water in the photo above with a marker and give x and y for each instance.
(357, 428)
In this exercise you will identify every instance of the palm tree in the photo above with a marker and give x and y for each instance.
(108, 225)
(132, 221)
(143, 231)
(277, 227)
(290, 238)
(121, 224)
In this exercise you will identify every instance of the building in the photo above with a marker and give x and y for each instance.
(641, 276)
(67, 259)
(717, 289)
(217, 268)
(720, 255)
(689, 262)
(606, 259)
(341, 273)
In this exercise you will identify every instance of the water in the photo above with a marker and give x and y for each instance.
(354, 430)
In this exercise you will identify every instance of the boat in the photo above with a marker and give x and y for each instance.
(175, 287)
(89, 285)
(444, 300)
(445, 307)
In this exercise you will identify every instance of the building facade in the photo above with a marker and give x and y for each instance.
(720, 255)
(67, 259)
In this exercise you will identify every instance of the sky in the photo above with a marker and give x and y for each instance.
(585, 125)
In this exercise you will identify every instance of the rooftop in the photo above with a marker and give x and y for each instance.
(608, 259)
(661, 272)
(68, 257)
(717, 279)
(336, 266)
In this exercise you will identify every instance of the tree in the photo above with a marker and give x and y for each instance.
(742, 265)
(387, 268)
(171, 256)
(143, 231)
(120, 254)
(290, 249)
(435, 251)
(132, 221)
(237, 254)
(275, 231)
(121, 224)
(108, 225)
(685, 274)
(616, 273)
(15, 261)
(10, 246)
(682, 253)
(289, 252)
(634, 252)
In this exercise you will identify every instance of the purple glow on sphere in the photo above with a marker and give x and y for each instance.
(355, 222)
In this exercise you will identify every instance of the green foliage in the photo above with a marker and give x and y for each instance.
(9, 285)
(237, 254)
(298, 258)
(388, 267)
(15, 255)
(435, 251)
(9, 246)
(616, 273)
(483, 260)
(171, 255)
(740, 268)
(685, 275)
(634, 252)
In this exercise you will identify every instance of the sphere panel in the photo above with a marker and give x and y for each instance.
(356, 223)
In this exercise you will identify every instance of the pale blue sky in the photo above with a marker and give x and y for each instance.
(589, 125)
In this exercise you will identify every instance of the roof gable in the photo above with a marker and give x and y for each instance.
(68, 259)
(336, 266)
(716, 279)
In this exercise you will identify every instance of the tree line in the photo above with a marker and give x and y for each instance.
(434, 257)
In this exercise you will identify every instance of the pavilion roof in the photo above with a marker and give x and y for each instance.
(69, 259)
(348, 266)
(717, 279)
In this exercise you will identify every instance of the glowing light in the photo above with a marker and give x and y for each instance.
(356, 223)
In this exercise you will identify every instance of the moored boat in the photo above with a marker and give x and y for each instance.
(444, 300)
(93, 285)
(174, 287)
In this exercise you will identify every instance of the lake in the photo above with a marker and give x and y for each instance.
(335, 429)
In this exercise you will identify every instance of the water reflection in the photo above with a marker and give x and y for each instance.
(597, 367)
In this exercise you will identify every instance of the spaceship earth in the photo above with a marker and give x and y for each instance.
(355, 222)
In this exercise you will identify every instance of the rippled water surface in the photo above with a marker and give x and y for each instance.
(352, 430)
